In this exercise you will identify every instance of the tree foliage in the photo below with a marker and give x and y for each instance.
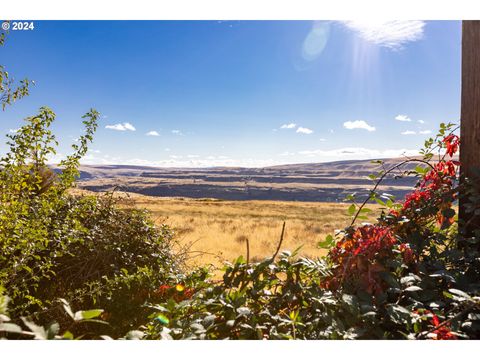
(10, 91)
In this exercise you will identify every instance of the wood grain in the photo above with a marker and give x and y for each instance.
(470, 112)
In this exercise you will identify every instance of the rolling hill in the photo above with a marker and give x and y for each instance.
(323, 182)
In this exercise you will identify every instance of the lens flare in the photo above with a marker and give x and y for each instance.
(316, 40)
(162, 319)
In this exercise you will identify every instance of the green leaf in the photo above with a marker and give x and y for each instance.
(134, 335)
(421, 170)
(474, 316)
(38, 331)
(350, 197)
(87, 314)
(380, 202)
(327, 244)
(67, 335)
(398, 313)
(165, 334)
(407, 280)
(460, 294)
(53, 330)
(67, 308)
(243, 311)
(230, 323)
(351, 209)
(240, 260)
(10, 328)
(413, 288)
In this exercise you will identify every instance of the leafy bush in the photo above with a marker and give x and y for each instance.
(82, 248)
(9, 90)
(55, 245)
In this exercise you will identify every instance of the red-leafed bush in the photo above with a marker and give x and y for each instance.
(403, 277)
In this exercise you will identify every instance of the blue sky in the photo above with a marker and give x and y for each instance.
(239, 93)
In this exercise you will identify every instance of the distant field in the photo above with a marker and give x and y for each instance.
(319, 182)
(215, 230)
(246, 202)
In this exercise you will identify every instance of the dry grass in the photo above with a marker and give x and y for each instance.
(216, 230)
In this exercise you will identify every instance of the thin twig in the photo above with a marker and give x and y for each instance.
(279, 243)
(377, 184)
(443, 323)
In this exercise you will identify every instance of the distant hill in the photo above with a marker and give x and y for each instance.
(325, 182)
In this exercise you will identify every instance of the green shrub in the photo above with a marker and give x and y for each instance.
(82, 248)
(55, 245)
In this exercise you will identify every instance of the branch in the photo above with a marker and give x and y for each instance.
(279, 244)
(381, 179)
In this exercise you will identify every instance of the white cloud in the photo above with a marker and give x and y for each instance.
(320, 155)
(180, 161)
(129, 126)
(402, 118)
(288, 126)
(167, 149)
(322, 139)
(177, 132)
(391, 34)
(425, 132)
(193, 156)
(121, 127)
(356, 153)
(421, 121)
(152, 133)
(358, 124)
(408, 132)
(302, 130)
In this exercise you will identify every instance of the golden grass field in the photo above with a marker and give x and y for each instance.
(215, 230)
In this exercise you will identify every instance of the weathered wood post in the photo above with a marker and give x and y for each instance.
(470, 112)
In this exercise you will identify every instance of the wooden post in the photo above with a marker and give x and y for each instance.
(470, 113)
